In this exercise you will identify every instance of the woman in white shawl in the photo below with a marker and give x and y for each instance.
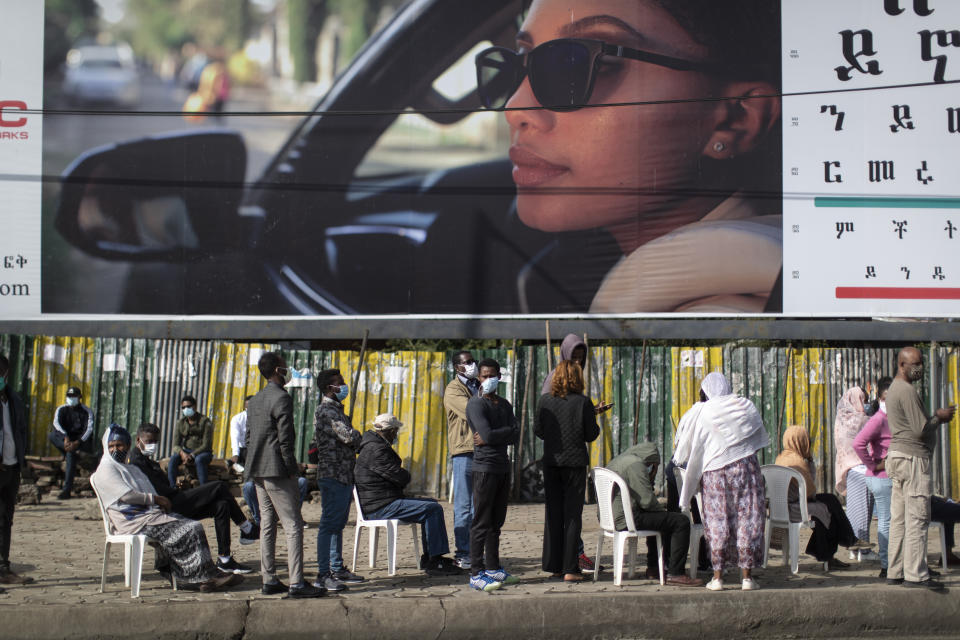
(716, 443)
(133, 508)
(850, 471)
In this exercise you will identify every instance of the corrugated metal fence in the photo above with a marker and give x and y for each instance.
(133, 380)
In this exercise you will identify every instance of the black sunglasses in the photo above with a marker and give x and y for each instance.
(561, 72)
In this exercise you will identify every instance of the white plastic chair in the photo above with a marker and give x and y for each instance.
(391, 526)
(943, 542)
(777, 479)
(604, 480)
(696, 530)
(133, 548)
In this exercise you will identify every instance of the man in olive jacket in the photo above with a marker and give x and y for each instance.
(638, 467)
(193, 441)
(460, 443)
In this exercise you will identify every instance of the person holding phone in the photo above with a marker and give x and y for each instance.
(566, 421)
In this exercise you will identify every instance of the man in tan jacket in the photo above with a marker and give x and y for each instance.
(460, 443)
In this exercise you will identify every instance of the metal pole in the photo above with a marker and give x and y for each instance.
(549, 349)
(356, 376)
(523, 423)
(586, 366)
(636, 411)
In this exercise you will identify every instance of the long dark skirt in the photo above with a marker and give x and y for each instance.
(825, 540)
(184, 548)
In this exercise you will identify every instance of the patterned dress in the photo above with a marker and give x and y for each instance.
(734, 514)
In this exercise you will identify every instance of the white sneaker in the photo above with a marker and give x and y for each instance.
(853, 555)
(238, 468)
(715, 585)
(749, 584)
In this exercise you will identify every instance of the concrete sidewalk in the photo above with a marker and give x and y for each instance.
(61, 548)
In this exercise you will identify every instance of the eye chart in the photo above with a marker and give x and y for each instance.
(871, 152)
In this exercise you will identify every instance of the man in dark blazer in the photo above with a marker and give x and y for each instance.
(13, 448)
(273, 468)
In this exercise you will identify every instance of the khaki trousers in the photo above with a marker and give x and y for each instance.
(909, 516)
(280, 497)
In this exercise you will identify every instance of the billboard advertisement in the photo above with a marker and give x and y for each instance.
(782, 158)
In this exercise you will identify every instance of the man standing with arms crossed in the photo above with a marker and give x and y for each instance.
(13, 447)
(913, 436)
(272, 466)
(460, 444)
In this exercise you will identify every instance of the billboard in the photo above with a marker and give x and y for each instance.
(500, 157)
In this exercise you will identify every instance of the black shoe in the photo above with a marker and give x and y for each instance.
(273, 588)
(883, 574)
(348, 577)
(232, 566)
(253, 536)
(933, 574)
(441, 566)
(63, 495)
(894, 582)
(306, 591)
(833, 563)
(933, 585)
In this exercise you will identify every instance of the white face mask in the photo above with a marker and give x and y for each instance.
(73, 401)
(883, 406)
(489, 385)
(150, 449)
(470, 371)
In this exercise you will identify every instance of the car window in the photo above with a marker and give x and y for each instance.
(414, 143)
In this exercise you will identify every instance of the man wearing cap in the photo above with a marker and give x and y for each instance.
(380, 480)
(72, 428)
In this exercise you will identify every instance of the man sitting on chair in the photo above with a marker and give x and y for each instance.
(380, 480)
(638, 467)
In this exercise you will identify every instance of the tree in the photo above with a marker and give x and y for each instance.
(306, 18)
(65, 23)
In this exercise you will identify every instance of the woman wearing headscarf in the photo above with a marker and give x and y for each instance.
(831, 526)
(134, 508)
(717, 441)
(566, 422)
(850, 470)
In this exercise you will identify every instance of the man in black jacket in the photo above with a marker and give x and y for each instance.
(13, 448)
(72, 428)
(210, 500)
(380, 480)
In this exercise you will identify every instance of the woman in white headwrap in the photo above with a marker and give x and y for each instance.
(133, 508)
(717, 441)
(850, 470)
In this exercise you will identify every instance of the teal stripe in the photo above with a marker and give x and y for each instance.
(889, 203)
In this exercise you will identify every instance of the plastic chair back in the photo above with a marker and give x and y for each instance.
(605, 480)
(777, 479)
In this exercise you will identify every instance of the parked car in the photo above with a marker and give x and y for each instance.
(328, 228)
(102, 74)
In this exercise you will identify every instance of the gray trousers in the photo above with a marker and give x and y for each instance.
(279, 497)
(909, 516)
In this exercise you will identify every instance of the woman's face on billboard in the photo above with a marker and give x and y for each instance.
(628, 168)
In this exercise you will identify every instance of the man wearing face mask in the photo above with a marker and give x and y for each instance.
(13, 448)
(380, 482)
(913, 436)
(638, 467)
(193, 436)
(460, 444)
(72, 428)
(337, 443)
(273, 468)
(494, 428)
(211, 500)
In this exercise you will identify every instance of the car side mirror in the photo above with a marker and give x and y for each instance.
(172, 197)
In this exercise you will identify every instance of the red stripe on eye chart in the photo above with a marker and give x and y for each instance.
(899, 293)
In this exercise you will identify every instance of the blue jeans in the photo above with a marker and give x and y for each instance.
(56, 439)
(462, 502)
(201, 460)
(335, 500)
(250, 496)
(881, 489)
(427, 513)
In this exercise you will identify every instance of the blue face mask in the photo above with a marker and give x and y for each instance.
(73, 401)
(188, 412)
(3, 383)
(489, 385)
(343, 392)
